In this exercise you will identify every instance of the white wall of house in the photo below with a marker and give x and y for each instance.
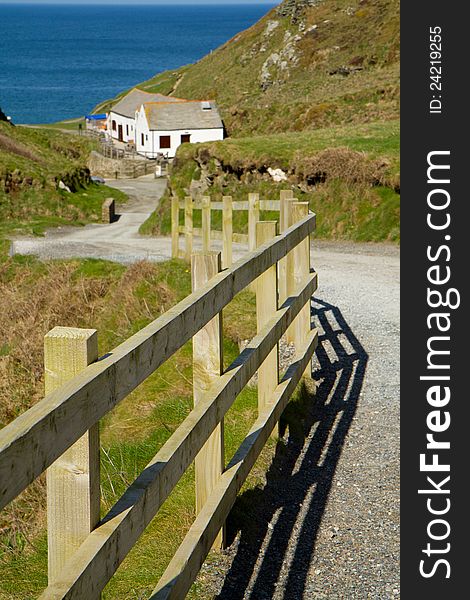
(155, 142)
(143, 143)
(127, 124)
(151, 143)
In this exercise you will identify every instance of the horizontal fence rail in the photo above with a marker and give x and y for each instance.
(266, 205)
(63, 427)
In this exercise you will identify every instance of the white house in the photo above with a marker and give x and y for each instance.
(161, 127)
(120, 124)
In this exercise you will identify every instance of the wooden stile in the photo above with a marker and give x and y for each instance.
(227, 231)
(207, 369)
(107, 546)
(175, 210)
(289, 263)
(253, 218)
(266, 308)
(188, 227)
(73, 480)
(206, 224)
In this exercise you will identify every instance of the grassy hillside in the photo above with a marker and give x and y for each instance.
(349, 175)
(33, 162)
(305, 65)
(313, 89)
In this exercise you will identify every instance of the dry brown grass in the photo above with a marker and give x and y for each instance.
(36, 297)
(342, 163)
(10, 145)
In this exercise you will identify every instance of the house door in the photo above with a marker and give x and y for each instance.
(120, 135)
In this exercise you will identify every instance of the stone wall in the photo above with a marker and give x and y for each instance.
(127, 168)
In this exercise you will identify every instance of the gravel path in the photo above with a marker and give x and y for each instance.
(326, 525)
(119, 241)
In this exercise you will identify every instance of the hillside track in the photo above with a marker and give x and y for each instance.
(326, 523)
(119, 241)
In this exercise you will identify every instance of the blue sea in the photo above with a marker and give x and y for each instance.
(59, 61)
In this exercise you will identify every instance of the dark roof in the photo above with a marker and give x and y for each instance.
(134, 100)
(190, 114)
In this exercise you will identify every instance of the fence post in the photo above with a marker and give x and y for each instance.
(207, 368)
(283, 225)
(188, 226)
(301, 270)
(253, 218)
(266, 307)
(73, 480)
(206, 223)
(290, 265)
(175, 223)
(227, 226)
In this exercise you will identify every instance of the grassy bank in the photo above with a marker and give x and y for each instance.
(349, 175)
(33, 162)
(117, 301)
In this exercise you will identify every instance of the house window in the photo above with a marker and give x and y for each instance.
(185, 138)
(113, 125)
(143, 140)
(127, 129)
(165, 142)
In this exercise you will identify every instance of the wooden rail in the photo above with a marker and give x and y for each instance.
(252, 206)
(61, 433)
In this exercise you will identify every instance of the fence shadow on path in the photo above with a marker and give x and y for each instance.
(279, 524)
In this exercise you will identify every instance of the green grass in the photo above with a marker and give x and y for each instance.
(69, 125)
(34, 211)
(132, 433)
(379, 139)
(41, 153)
(32, 163)
(358, 199)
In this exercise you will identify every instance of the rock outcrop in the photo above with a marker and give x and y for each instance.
(295, 8)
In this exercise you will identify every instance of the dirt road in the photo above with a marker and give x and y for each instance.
(119, 241)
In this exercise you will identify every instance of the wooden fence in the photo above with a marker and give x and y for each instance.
(253, 206)
(60, 433)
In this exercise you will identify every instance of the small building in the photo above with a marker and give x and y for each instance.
(96, 123)
(161, 127)
(121, 118)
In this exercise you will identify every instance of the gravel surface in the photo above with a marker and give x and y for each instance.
(326, 525)
(119, 241)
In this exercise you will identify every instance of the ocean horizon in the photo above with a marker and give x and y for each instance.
(59, 61)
